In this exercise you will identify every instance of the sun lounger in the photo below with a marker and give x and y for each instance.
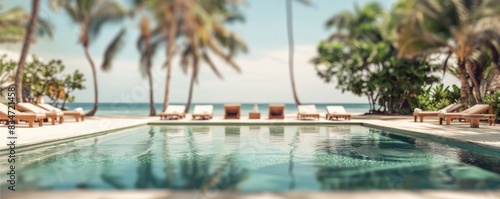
(203, 112)
(232, 111)
(449, 109)
(75, 113)
(476, 109)
(173, 112)
(18, 116)
(52, 115)
(307, 111)
(474, 119)
(337, 112)
(276, 111)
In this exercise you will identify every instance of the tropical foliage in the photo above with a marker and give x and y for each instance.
(437, 97)
(362, 59)
(494, 101)
(7, 68)
(465, 31)
(41, 79)
(13, 24)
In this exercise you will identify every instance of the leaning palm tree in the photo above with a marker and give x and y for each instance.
(15, 28)
(26, 46)
(289, 29)
(91, 15)
(464, 29)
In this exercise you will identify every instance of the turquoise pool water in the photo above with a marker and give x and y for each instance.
(256, 158)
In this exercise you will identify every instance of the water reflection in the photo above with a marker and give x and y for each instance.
(484, 161)
(309, 129)
(254, 129)
(270, 158)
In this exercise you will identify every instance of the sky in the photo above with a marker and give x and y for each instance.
(264, 77)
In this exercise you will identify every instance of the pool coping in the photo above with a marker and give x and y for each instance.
(168, 194)
(32, 146)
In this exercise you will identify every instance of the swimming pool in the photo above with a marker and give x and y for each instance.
(256, 158)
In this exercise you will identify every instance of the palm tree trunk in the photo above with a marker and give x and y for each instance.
(170, 54)
(94, 75)
(290, 49)
(191, 84)
(477, 85)
(167, 86)
(27, 39)
(152, 110)
(464, 88)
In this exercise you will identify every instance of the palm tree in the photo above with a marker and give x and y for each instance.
(91, 15)
(205, 33)
(167, 14)
(15, 28)
(464, 29)
(147, 44)
(171, 14)
(35, 4)
(198, 23)
(289, 29)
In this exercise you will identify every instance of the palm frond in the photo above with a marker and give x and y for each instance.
(207, 59)
(104, 13)
(112, 50)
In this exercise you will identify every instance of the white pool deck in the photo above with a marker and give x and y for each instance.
(459, 132)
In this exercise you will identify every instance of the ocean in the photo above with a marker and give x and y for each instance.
(142, 109)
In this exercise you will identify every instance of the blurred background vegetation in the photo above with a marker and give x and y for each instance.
(395, 58)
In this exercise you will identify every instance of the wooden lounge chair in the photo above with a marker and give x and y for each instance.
(52, 115)
(474, 119)
(337, 112)
(307, 111)
(173, 112)
(30, 118)
(276, 111)
(449, 109)
(476, 109)
(76, 114)
(203, 112)
(232, 111)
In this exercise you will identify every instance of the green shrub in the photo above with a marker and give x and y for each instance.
(494, 101)
(437, 97)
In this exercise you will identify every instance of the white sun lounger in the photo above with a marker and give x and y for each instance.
(174, 112)
(203, 112)
(307, 111)
(337, 112)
